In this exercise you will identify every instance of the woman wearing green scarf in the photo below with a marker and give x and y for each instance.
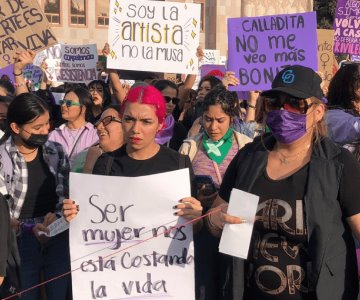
(210, 153)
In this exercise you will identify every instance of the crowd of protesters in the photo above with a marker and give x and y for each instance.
(295, 147)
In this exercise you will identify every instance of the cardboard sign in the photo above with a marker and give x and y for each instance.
(325, 54)
(347, 27)
(126, 242)
(154, 36)
(22, 26)
(260, 47)
(70, 63)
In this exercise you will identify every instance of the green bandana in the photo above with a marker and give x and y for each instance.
(217, 151)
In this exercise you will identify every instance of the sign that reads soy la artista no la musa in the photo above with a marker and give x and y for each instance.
(22, 26)
(70, 63)
(260, 47)
(121, 242)
(154, 36)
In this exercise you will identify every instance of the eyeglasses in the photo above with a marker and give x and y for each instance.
(289, 103)
(107, 120)
(69, 103)
(174, 100)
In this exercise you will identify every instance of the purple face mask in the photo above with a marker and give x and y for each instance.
(286, 126)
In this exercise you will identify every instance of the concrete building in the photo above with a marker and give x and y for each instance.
(86, 21)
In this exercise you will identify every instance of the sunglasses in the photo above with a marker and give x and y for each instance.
(289, 103)
(174, 100)
(69, 103)
(107, 120)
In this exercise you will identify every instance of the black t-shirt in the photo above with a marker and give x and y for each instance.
(278, 265)
(165, 160)
(278, 253)
(41, 196)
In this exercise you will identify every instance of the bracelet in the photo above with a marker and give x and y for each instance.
(251, 106)
(21, 72)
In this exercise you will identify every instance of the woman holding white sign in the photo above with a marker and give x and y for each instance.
(301, 245)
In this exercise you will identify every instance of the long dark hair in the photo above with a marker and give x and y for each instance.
(85, 99)
(106, 92)
(343, 85)
(24, 109)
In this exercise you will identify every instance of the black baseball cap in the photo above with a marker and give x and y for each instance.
(297, 81)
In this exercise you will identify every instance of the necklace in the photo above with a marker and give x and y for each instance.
(23, 153)
(285, 159)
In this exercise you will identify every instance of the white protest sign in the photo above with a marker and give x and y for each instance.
(121, 242)
(70, 63)
(235, 239)
(154, 36)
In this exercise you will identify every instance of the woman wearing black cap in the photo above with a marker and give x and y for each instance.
(301, 245)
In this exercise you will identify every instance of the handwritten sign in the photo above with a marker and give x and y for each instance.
(70, 63)
(347, 27)
(126, 243)
(260, 47)
(154, 36)
(211, 57)
(325, 54)
(22, 26)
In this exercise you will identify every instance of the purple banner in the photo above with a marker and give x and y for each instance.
(260, 47)
(213, 70)
(8, 70)
(347, 27)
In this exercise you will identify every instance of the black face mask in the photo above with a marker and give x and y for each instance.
(36, 140)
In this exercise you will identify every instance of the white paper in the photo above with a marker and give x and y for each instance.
(113, 264)
(235, 239)
(56, 227)
(154, 36)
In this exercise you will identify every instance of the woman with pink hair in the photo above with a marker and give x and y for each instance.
(143, 113)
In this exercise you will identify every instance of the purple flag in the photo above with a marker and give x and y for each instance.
(347, 27)
(259, 47)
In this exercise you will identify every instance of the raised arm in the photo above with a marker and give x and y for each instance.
(22, 59)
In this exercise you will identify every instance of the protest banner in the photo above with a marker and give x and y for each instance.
(260, 47)
(22, 26)
(355, 57)
(70, 63)
(347, 27)
(211, 57)
(325, 54)
(126, 242)
(154, 36)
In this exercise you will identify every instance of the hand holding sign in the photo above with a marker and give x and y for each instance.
(22, 59)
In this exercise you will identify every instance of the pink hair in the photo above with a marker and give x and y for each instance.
(147, 95)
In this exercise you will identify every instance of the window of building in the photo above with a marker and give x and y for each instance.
(52, 11)
(78, 12)
(202, 14)
(102, 12)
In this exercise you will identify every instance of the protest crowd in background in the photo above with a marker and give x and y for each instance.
(191, 178)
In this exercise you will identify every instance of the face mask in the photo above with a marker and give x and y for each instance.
(36, 140)
(286, 126)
